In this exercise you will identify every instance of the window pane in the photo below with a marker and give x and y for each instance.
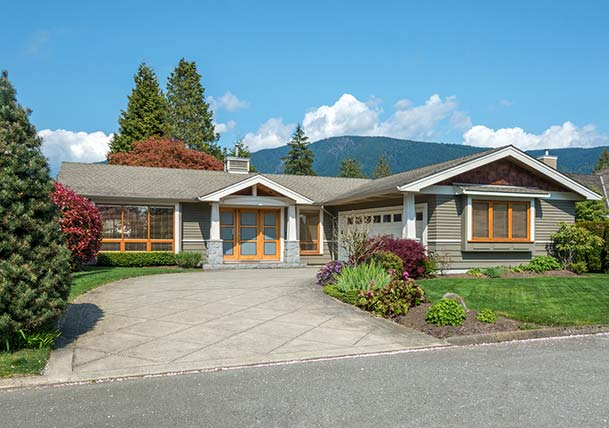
(500, 220)
(270, 219)
(226, 217)
(480, 220)
(110, 246)
(248, 219)
(227, 247)
(386, 218)
(161, 223)
(247, 233)
(227, 233)
(111, 218)
(376, 219)
(397, 218)
(161, 246)
(519, 221)
(270, 233)
(270, 248)
(135, 246)
(248, 248)
(309, 226)
(136, 223)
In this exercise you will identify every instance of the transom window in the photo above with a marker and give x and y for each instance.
(500, 221)
(137, 228)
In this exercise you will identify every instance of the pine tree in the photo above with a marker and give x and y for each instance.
(34, 262)
(350, 168)
(300, 158)
(603, 161)
(146, 115)
(190, 117)
(382, 168)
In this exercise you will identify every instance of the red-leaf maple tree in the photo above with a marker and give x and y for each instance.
(166, 153)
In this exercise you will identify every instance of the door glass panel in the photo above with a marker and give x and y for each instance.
(248, 219)
(270, 233)
(270, 248)
(500, 220)
(247, 233)
(270, 219)
(248, 248)
(227, 233)
(227, 248)
(226, 217)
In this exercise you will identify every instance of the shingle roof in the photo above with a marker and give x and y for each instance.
(391, 183)
(501, 189)
(102, 180)
(593, 181)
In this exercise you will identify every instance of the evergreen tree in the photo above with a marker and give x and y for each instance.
(382, 168)
(603, 161)
(190, 117)
(146, 115)
(299, 160)
(350, 168)
(34, 262)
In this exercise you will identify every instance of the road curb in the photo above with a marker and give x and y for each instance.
(508, 336)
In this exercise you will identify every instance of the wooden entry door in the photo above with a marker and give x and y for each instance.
(250, 234)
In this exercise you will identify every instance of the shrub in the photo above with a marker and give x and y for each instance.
(598, 259)
(572, 244)
(362, 277)
(80, 223)
(578, 267)
(487, 316)
(188, 259)
(477, 272)
(494, 272)
(410, 251)
(439, 261)
(393, 299)
(136, 259)
(351, 296)
(389, 261)
(446, 312)
(39, 340)
(354, 241)
(34, 261)
(541, 264)
(328, 272)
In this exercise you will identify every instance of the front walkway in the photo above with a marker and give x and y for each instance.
(199, 320)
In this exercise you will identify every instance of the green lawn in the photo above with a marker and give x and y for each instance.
(93, 276)
(32, 361)
(542, 300)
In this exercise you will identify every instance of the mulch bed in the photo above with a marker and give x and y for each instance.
(526, 274)
(415, 319)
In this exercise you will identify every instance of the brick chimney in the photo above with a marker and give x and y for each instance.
(549, 160)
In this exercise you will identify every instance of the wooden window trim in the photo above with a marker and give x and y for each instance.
(122, 241)
(490, 237)
(317, 250)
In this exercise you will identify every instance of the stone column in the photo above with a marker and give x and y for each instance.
(215, 254)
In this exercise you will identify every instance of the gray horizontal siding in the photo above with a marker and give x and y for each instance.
(199, 247)
(444, 218)
(195, 221)
(549, 214)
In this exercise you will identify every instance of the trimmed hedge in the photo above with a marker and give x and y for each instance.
(136, 259)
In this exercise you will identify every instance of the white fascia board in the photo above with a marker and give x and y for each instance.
(256, 179)
(507, 194)
(541, 167)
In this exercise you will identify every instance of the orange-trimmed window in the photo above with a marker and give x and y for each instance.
(501, 221)
(137, 228)
(309, 232)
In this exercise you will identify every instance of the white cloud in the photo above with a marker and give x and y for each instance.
(272, 133)
(558, 136)
(37, 42)
(61, 145)
(228, 102)
(225, 127)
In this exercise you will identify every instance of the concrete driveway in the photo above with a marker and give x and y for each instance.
(198, 320)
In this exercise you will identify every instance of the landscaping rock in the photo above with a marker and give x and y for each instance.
(459, 299)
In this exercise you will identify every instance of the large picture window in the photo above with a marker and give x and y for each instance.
(500, 221)
(137, 228)
(309, 232)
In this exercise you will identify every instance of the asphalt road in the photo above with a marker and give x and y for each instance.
(548, 383)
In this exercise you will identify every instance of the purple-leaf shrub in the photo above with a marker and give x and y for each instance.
(328, 272)
(410, 251)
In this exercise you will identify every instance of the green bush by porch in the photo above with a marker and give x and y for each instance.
(552, 301)
(136, 259)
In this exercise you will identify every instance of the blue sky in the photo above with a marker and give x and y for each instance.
(534, 74)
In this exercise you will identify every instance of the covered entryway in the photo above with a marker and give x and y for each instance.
(250, 234)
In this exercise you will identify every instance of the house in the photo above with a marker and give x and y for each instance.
(497, 207)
